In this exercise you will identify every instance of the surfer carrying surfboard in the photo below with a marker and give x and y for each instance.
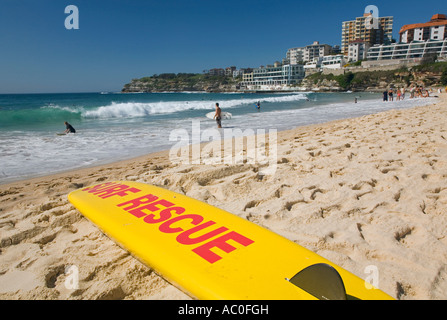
(69, 128)
(217, 116)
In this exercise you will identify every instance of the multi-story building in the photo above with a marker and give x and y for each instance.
(247, 77)
(273, 77)
(229, 71)
(333, 62)
(301, 55)
(295, 55)
(407, 51)
(361, 29)
(416, 41)
(358, 51)
(314, 64)
(316, 50)
(241, 72)
(435, 29)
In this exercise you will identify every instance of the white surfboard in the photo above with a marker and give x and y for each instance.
(224, 115)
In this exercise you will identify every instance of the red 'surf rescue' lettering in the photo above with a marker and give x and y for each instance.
(221, 242)
(172, 220)
(111, 189)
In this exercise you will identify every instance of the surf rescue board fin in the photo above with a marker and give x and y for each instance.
(322, 281)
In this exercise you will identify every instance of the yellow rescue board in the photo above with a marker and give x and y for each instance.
(205, 251)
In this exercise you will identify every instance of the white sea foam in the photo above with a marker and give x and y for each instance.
(30, 154)
(142, 109)
(287, 119)
(74, 109)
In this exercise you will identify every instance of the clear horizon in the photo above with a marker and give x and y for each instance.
(122, 40)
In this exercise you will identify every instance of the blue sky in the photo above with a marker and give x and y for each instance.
(119, 40)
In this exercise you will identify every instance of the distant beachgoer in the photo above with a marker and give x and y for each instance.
(218, 115)
(412, 90)
(419, 92)
(399, 95)
(390, 94)
(258, 105)
(69, 127)
(403, 93)
(385, 95)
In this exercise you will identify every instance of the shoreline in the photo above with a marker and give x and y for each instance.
(104, 162)
(358, 191)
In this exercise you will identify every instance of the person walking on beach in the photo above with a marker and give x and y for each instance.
(385, 95)
(218, 115)
(69, 128)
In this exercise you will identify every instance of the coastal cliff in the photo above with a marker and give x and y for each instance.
(431, 74)
(171, 82)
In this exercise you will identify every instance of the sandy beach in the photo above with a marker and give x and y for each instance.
(361, 192)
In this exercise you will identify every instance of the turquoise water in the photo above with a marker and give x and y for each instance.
(115, 126)
(44, 112)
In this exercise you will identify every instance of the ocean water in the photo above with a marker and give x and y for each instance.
(115, 126)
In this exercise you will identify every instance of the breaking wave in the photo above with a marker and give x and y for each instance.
(142, 109)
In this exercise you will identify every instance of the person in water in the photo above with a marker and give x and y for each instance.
(218, 116)
(69, 128)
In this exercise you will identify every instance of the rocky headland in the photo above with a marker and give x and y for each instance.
(181, 82)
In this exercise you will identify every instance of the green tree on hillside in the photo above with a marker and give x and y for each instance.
(444, 78)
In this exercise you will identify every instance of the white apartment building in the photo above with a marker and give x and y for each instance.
(307, 53)
(416, 41)
(316, 50)
(358, 50)
(435, 29)
(333, 62)
(413, 50)
(273, 77)
(295, 55)
(314, 64)
(327, 62)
